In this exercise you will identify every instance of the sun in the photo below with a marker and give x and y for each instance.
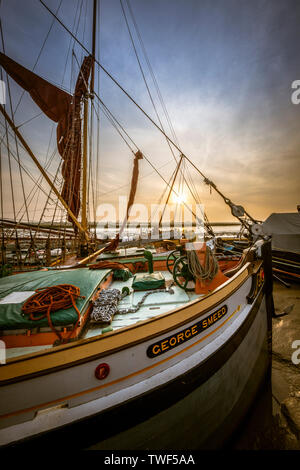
(180, 198)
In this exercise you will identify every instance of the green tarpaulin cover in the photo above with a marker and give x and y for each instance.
(13, 288)
(148, 281)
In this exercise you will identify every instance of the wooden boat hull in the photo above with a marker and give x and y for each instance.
(203, 407)
(192, 365)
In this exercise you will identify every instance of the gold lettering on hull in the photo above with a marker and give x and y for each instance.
(176, 339)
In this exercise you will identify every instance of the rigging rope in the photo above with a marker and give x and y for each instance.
(47, 163)
(206, 180)
(127, 94)
(152, 73)
(17, 147)
(39, 54)
(38, 188)
(142, 72)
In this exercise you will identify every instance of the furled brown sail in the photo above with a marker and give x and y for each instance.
(53, 101)
(69, 140)
(134, 180)
(64, 109)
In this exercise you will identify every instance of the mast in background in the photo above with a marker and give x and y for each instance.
(93, 48)
(89, 95)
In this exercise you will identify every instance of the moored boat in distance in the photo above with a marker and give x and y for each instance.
(284, 229)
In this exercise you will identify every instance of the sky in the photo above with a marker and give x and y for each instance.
(225, 70)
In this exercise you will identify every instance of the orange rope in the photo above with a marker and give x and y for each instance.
(108, 265)
(50, 299)
(133, 267)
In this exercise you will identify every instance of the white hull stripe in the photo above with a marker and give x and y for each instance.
(121, 379)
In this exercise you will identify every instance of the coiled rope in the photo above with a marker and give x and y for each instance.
(50, 299)
(206, 272)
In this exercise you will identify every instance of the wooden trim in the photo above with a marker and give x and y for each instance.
(84, 350)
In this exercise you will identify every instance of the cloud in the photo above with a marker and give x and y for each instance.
(224, 69)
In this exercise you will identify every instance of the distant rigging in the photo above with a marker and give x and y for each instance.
(237, 211)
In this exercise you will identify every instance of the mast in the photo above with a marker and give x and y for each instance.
(93, 48)
(237, 211)
(84, 164)
(89, 94)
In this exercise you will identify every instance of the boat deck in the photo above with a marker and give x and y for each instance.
(125, 254)
(155, 304)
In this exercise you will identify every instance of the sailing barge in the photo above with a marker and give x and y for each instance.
(163, 352)
(192, 361)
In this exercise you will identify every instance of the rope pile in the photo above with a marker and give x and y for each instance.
(206, 272)
(50, 299)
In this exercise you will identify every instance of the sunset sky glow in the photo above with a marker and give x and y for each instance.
(225, 69)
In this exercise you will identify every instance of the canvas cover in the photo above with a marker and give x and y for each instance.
(13, 291)
(148, 281)
(285, 231)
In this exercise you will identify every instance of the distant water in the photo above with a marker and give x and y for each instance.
(134, 233)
